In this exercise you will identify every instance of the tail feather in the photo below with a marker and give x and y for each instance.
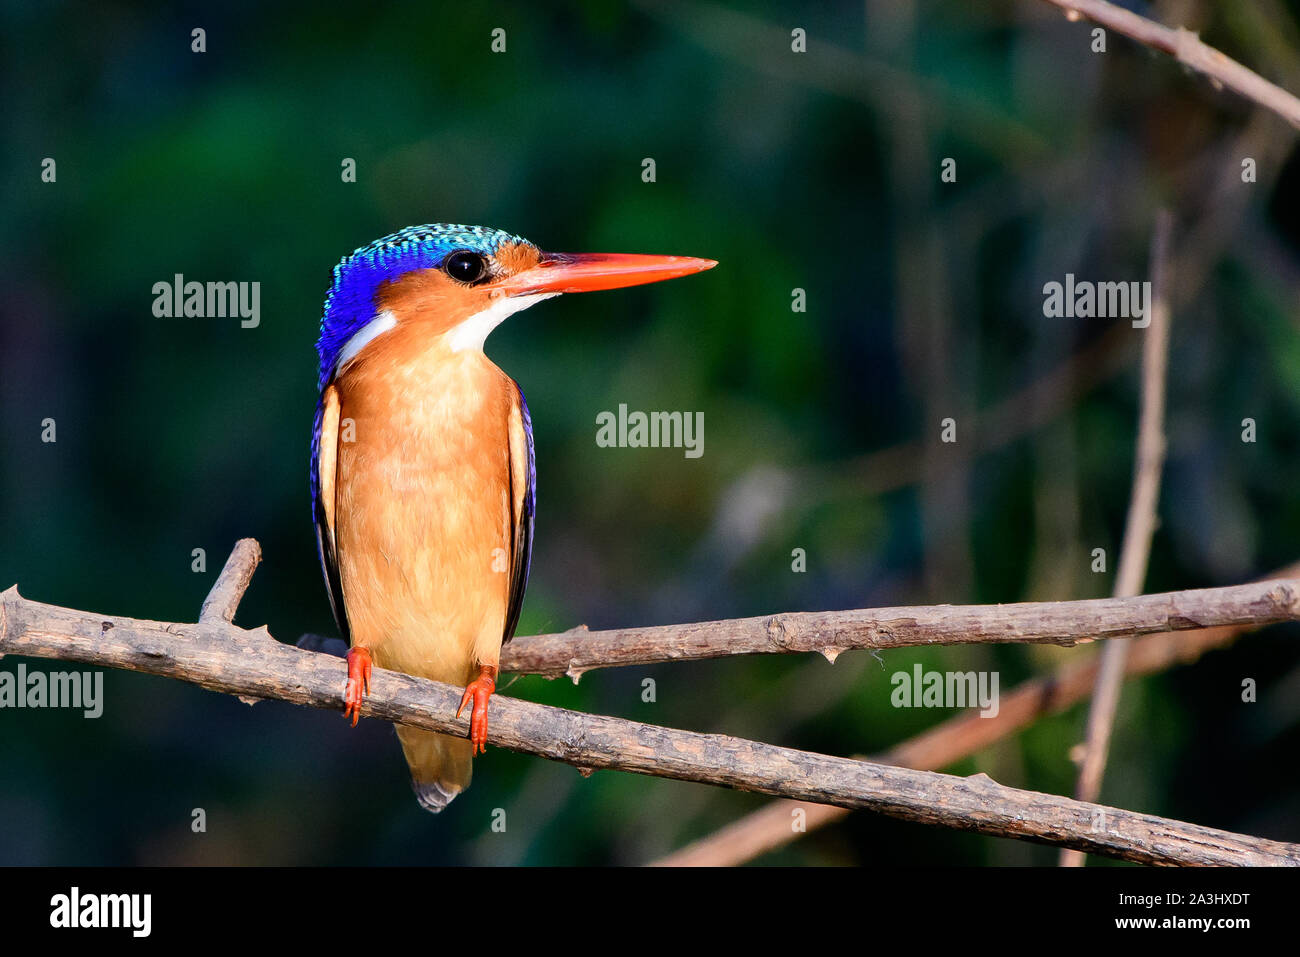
(441, 766)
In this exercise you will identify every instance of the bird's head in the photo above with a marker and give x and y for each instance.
(461, 282)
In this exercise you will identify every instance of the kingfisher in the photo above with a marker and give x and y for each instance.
(423, 476)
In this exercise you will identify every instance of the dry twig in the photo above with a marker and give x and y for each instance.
(252, 665)
(832, 632)
(1187, 48)
(955, 739)
(1139, 528)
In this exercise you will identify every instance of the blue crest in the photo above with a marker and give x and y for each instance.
(350, 303)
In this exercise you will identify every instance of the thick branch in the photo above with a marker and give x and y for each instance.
(251, 664)
(832, 632)
(1188, 49)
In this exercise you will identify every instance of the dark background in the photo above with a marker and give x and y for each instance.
(817, 170)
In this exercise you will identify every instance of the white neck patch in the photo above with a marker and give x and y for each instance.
(473, 332)
(372, 330)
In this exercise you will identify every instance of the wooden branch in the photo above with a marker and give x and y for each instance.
(955, 739)
(830, 633)
(1187, 48)
(1139, 527)
(231, 584)
(252, 665)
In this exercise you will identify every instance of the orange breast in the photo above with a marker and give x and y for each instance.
(422, 509)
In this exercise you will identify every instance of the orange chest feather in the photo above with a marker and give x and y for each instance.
(423, 503)
(419, 412)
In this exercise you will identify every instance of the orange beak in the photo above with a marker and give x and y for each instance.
(588, 272)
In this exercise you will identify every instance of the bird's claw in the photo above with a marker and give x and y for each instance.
(358, 686)
(478, 691)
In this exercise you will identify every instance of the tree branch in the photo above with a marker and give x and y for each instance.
(231, 584)
(1187, 48)
(950, 741)
(1139, 527)
(830, 633)
(251, 664)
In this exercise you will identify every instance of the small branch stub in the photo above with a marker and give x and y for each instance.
(231, 584)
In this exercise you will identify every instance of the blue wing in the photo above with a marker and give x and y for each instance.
(523, 471)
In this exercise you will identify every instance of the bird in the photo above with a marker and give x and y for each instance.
(423, 475)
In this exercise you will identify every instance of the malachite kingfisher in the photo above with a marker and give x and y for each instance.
(422, 473)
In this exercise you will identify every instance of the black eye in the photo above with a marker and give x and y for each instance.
(465, 266)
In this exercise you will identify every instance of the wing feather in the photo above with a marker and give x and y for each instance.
(523, 496)
(324, 472)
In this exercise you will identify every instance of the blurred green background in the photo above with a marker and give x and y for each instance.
(817, 171)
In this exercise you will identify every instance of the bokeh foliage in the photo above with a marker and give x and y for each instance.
(816, 170)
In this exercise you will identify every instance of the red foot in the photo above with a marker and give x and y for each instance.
(478, 691)
(358, 682)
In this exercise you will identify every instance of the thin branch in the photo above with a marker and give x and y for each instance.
(231, 584)
(251, 664)
(832, 632)
(1140, 526)
(1185, 46)
(955, 739)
